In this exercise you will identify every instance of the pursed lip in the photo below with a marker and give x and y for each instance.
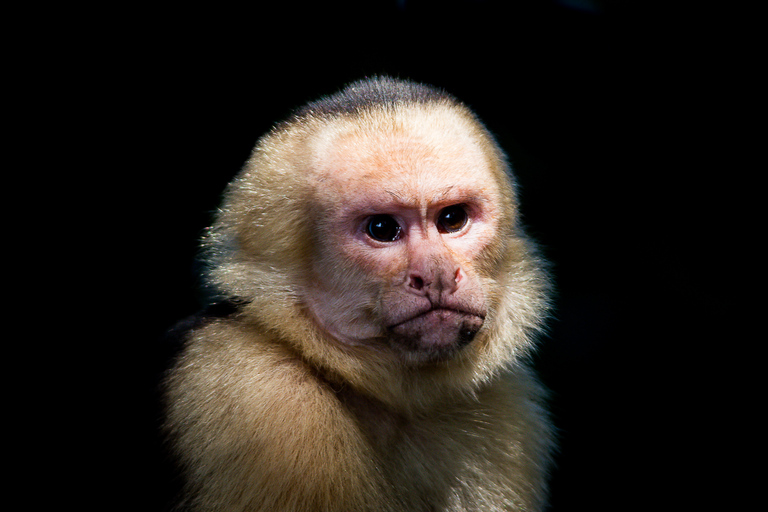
(437, 309)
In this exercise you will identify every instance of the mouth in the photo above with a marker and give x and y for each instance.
(438, 314)
(439, 327)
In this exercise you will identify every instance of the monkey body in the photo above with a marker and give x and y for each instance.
(313, 446)
(389, 297)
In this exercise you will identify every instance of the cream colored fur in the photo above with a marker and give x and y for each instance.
(272, 409)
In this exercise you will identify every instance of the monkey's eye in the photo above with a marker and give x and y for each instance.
(452, 219)
(383, 228)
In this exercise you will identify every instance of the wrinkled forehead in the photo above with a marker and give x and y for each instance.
(414, 151)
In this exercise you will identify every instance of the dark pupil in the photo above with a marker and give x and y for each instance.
(383, 228)
(452, 218)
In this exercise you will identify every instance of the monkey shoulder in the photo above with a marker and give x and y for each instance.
(240, 361)
(242, 404)
(261, 429)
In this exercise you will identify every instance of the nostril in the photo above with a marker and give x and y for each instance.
(416, 283)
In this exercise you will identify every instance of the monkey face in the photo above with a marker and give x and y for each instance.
(405, 213)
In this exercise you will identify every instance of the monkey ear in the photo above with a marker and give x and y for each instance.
(229, 277)
(260, 241)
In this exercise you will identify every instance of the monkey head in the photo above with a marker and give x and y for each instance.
(409, 204)
(382, 223)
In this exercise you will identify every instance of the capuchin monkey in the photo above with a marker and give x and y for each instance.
(383, 300)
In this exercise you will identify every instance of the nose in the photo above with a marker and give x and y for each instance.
(434, 279)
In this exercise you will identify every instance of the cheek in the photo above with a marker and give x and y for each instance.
(343, 260)
(473, 247)
(378, 263)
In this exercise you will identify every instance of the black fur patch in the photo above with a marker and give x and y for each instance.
(378, 91)
(222, 309)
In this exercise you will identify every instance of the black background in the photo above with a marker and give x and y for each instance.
(621, 120)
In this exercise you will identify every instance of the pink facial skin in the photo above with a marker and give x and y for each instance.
(411, 208)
